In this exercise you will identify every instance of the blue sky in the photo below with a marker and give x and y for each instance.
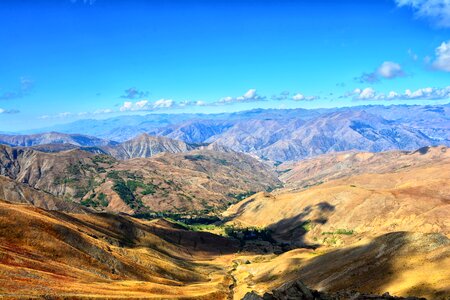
(63, 60)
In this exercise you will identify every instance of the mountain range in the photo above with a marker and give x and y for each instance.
(276, 135)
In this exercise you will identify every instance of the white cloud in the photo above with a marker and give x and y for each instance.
(392, 95)
(127, 105)
(250, 96)
(389, 69)
(251, 93)
(298, 97)
(437, 11)
(427, 93)
(163, 103)
(64, 114)
(145, 105)
(2, 110)
(442, 61)
(301, 97)
(185, 103)
(103, 111)
(367, 93)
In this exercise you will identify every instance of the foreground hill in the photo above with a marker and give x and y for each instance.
(196, 180)
(48, 254)
(385, 228)
(400, 263)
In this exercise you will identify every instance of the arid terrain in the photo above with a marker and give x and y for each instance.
(338, 222)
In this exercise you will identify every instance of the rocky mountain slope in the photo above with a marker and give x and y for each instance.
(145, 145)
(281, 140)
(15, 192)
(191, 181)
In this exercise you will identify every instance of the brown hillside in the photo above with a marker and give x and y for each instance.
(190, 181)
(305, 173)
(416, 199)
(44, 253)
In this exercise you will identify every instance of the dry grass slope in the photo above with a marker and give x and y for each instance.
(49, 253)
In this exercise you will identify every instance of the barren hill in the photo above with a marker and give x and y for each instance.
(308, 172)
(190, 181)
(413, 198)
(48, 254)
(375, 227)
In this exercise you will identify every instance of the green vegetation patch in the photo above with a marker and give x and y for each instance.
(241, 196)
(339, 231)
(103, 159)
(95, 201)
(195, 157)
(307, 225)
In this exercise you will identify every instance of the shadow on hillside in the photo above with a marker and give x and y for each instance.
(240, 210)
(121, 231)
(293, 230)
(367, 268)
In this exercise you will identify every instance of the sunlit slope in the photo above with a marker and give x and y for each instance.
(413, 199)
(384, 229)
(401, 263)
(45, 253)
(305, 173)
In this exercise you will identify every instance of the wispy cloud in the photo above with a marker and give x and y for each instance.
(387, 70)
(25, 86)
(437, 11)
(281, 96)
(66, 114)
(428, 93)
(134, 93)
(8, 111)
(145, 105)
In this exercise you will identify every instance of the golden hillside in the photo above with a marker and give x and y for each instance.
(49, 253)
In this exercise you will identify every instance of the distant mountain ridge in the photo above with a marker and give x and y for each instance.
(53, 138)
(272, 134)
